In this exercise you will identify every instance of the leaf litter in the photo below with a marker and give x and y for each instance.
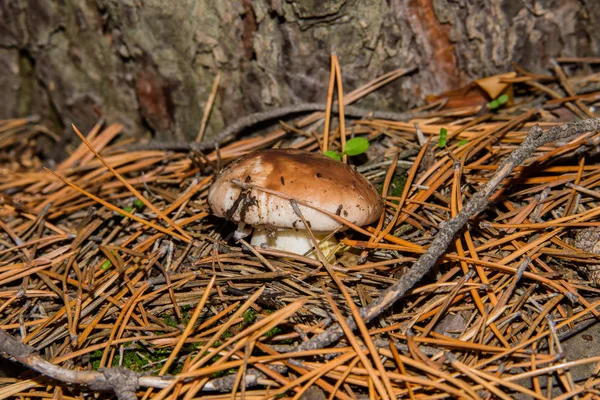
(113, 258)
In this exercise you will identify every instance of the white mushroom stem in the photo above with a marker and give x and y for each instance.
(293, 240)
(242, 231)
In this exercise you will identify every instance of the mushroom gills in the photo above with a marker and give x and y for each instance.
(292, 240)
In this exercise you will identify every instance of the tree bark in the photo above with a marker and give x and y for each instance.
(150, 64)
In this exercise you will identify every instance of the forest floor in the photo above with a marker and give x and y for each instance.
(113, 258)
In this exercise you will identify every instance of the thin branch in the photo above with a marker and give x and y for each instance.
(122, 381)
(264, 116)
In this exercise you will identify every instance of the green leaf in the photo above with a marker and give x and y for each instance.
(106, 265)
(463, 142)
(502, 99)
(126, 209)
(492, 105)
(333, 154)
(356, 146)
(442, 139)
(138, 204)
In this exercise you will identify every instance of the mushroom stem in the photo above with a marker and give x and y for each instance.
(242, 231)
(293, 240)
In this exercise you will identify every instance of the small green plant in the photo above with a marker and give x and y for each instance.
(106, 265)
(138, 205)
(442, 139)
(354, 147)
(492, 105)
(463, 142)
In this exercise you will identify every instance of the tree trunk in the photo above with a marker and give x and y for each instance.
(150, 64)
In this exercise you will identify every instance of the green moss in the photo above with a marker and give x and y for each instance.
(249, 316)
(176, 369)
(95, 359)
(139, 359)
(226, 372)
(170, 320)
(185, 317)
(227, 334)
(159, 356)
(131, 360)
(397, 185)
(273, 332)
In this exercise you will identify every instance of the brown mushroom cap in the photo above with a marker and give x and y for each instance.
(309, 177)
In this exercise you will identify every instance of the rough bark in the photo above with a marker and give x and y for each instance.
(150, 64)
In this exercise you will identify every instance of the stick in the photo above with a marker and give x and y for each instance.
(535, 138)
(263, 116)
(122, 381)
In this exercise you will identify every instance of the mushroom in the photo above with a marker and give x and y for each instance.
(309, 178)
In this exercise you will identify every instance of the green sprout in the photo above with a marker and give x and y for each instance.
(463, 142)
(138, 204)
(442, 139)
(354, 147)
(333, 154)
(492, 105)
(106, 265)
(126, 209)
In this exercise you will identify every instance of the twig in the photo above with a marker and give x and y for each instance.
(208, 107)
(253, 378)
(263, 116)
(122, 381)
(535, 138)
